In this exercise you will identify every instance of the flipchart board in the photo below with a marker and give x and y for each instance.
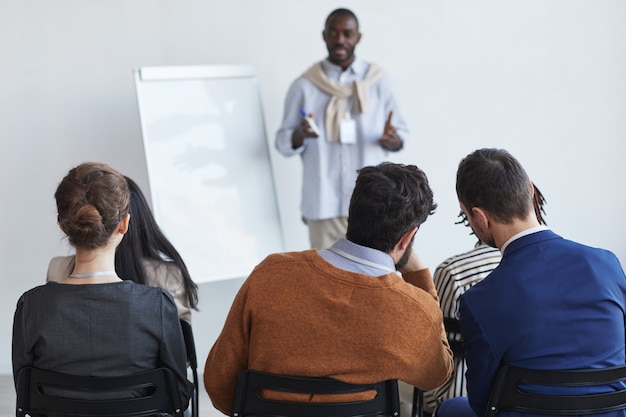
(208, 164)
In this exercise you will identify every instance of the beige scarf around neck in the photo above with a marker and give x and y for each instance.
(336, 109)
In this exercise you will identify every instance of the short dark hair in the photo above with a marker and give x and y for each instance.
(341, 12)
(539, 202)
(388, 200)
(494, 180)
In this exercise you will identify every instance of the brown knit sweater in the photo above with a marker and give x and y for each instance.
(298, 315)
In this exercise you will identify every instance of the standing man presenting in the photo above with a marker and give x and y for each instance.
(340, 115)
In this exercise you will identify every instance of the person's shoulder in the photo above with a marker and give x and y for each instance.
(557, 243)
(384, 80)
(142, 289)
(159, 270)
(283, 264)
(367, 65)
(474, 255)
(37, 290)
(364, 66)
(283, 258)
(60, 267)
(38, 293)
(148, 292)
(63, 260)
(600, 254)
(419, 298)
(301, 82)
(311, 67)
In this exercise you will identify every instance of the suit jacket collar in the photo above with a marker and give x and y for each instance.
(530, 239)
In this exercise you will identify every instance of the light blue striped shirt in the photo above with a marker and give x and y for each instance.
(452, 278)
(330, 169)
(371, 256)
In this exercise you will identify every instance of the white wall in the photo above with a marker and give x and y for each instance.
(544, 79)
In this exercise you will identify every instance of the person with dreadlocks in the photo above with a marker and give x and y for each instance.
(452, 278)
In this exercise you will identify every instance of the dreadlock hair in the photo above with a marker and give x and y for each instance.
(538, 204)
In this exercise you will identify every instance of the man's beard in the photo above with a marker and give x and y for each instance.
(487, 239)
(405, 256)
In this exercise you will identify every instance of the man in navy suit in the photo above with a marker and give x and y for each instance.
(550, 304)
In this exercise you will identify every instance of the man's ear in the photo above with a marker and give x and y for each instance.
(481, 217)
(406, 239)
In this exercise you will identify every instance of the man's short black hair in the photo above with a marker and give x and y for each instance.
(341, 12)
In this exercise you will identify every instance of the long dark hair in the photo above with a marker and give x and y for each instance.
(145, 239)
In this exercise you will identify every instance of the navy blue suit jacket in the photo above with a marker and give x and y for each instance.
(550, 304)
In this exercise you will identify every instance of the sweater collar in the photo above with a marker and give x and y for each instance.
(358, 67)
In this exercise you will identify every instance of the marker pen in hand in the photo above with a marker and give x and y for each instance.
(310, 121)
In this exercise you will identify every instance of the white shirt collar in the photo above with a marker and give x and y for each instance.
(523, 233)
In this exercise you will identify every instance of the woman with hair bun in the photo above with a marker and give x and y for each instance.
(92, 322)
(145, 256)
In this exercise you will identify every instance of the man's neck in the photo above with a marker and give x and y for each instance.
(504, 232)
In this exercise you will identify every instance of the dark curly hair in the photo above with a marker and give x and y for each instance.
(388, 200)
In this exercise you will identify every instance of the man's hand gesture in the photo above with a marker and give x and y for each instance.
(303, 131)
(390, 139)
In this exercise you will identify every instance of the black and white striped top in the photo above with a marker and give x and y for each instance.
(452, 278)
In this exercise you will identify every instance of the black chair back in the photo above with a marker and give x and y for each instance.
(417, 409)
(192, 361)
(45, 392)
(454, 340)
(508, 393)
(456, 345)
(249, 402)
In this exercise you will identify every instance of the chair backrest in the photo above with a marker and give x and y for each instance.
(454, 339)
(248, 400)
(453, 329)
(508, 392)
(45, 392)
(417, 408)
(192, 360)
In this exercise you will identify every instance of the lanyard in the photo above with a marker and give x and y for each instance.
(363, 261)
(94, 274)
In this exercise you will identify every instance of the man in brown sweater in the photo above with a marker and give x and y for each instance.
(363, 310)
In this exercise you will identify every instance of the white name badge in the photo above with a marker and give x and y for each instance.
(347, 131)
